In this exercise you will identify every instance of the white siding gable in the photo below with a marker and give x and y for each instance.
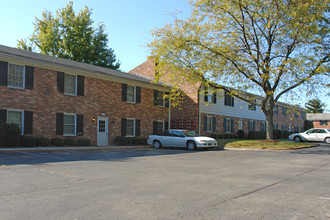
(239, 110)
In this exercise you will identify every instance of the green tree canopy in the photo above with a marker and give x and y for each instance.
(267, 47)
(314, 106)
(71, 36)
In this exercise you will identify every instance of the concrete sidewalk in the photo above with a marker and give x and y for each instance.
(115, 147)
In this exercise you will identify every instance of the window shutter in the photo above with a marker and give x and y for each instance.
(28, 122)
(80, 85)
(214, 124)
(166, 125)
(167, 99)
(3, 116)
(226, 99)
(254, 125)
(205, 123)
(155, 97)
(154, 126)
(80, 124)
(232, 125)
(232, 101)
(59, 123)
(224, 125)
(29, 77)
(3, 73)
(123, 127)
(124, 92)
(215, 98)
(137, 128)
(138, 94)
(60, 82)
(249, 126)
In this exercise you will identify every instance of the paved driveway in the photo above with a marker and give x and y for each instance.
(166, 184)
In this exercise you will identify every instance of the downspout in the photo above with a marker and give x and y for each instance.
(169, 114)
(199, 113)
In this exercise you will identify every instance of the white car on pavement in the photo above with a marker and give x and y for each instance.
(181, 138)
(314, 134)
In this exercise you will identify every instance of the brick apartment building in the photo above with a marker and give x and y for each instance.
(54, 97)
(221, 113)
(320, 120)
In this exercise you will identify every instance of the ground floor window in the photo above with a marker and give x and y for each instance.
(263, 126)
(69, 124)
(283, 127)
(323, 123)
(16, 117)
(252, 126)
(227, 125)
(130, 127)
(240, 125)
(209, 124)
(275, 127)
(158, 127)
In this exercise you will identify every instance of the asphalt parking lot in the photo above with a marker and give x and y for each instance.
(166, 184)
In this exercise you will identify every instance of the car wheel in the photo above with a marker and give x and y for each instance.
(191, 145)
(297, 139)
(327, 140)
(157, 144)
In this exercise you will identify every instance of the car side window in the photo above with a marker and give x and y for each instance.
(177, 134)
(322, 131)
(166, 133)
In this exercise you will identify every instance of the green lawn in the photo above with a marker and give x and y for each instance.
(261, 144)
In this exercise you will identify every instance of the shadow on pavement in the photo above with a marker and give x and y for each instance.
(39, 157)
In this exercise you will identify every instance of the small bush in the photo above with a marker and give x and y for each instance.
(240, 134)
(59, 142)
(28, 141)
(277, 134)
(43, 141)
(84, 142)
(9, 135)
(285, 134)
(257, 135)
(70, 141)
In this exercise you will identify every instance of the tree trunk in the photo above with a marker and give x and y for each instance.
(269, 125)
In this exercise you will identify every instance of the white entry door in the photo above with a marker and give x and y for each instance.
(102, 131)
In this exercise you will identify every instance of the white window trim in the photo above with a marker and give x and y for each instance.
(134, 95)
(240, 125)
(75, 87)
(228, 120)
(284, 126)
(17, 110)
(16, 87)
(251, 126)
(263, 125)
(75, 125)
(134, 124)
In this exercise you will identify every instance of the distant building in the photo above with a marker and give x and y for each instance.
(320, 120)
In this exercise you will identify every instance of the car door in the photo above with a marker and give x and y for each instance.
(165, 138)
(178, 139)
(321, 135)
(313, 135)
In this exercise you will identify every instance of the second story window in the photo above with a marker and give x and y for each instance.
(131, 94)
(229, 100)
(70, 82)
(252, 105)
(210, 96)
(16, 76)
(275, 110)
(284, 111)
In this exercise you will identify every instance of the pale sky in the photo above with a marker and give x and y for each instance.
(128, 24)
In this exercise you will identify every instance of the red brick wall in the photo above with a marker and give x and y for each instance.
(100, 96)
(316, 124)
(288, 120)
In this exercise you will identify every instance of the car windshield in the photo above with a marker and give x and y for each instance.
(190, 133)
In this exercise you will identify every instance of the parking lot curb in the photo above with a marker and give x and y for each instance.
(272, 149)
(21, 149)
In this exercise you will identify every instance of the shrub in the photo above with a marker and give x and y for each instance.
(240, 134)
(70, 141)
(28, 141)
(84, 142)
(43, 141)
(285, 135)
(130, 141)
(9, 135)
(277, 134)
(257, 135)
(59, 142)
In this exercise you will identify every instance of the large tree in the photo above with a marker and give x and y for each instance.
(71, 36)
(267, 47)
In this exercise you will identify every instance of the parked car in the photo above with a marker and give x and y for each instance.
(314, 134)
(181, 138)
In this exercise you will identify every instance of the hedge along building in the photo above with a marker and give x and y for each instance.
(54, 97)
(210, 112)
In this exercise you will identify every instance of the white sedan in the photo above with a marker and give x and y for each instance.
(181, 138)
(314, 134)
